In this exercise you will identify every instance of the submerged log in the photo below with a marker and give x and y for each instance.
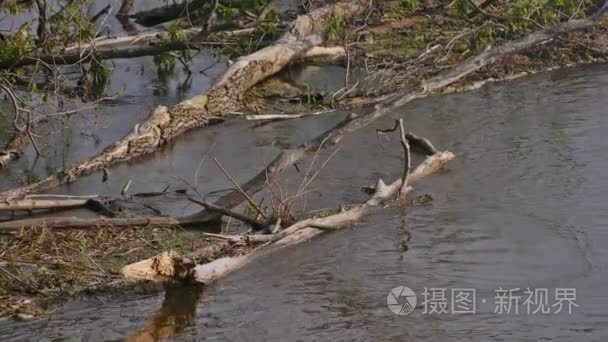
(390, 103)
(169, 265)
(222, 98)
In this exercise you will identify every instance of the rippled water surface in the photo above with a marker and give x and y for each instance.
(523, 205)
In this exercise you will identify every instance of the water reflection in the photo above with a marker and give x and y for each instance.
(178, 312)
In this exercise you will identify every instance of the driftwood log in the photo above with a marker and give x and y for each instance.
(145, 140)
(391, 103)
(123, 48)
(36, 204)
(166, 123)
(146, 43)
(221, 99)
(168, 265)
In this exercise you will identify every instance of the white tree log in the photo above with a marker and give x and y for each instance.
(221, 99)
(168, 265)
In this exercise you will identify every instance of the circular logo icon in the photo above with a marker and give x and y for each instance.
(401, 300)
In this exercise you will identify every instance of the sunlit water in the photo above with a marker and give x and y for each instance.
(523, 205)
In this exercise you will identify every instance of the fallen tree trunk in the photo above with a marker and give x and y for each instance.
(149, 42)
(169, 265)
(34, 204)
(222, 98)
(150, 45)
(166, 123)
(389, 103)
(95, 204)
(143, 44)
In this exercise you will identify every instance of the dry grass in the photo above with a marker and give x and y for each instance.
(40, 265)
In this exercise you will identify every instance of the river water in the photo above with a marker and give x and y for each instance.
(523, 205)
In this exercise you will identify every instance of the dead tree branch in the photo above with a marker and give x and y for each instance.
(406, 162)
(391, 103)
(223, 97)
(226, 212)
(168, 265)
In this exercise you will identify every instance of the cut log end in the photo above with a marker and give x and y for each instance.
(162, 267)
(168, 265)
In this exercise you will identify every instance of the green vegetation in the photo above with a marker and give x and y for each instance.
(101, 77)
(165, 62)
(15, 46)
(338, 30)
(72, 24)
(405, 7)
(521, 16)
(462, 7)
(270, 24)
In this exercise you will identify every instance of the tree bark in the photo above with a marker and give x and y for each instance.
(34, 204)
(168, 265)
(390, 103)
(222, 98)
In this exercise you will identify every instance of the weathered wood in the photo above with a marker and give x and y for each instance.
(390, 103)
(170, 266)
(222, 98)
(149, 42)
(166, 123)
(243, 218)
(34, 204)
(146, 43)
